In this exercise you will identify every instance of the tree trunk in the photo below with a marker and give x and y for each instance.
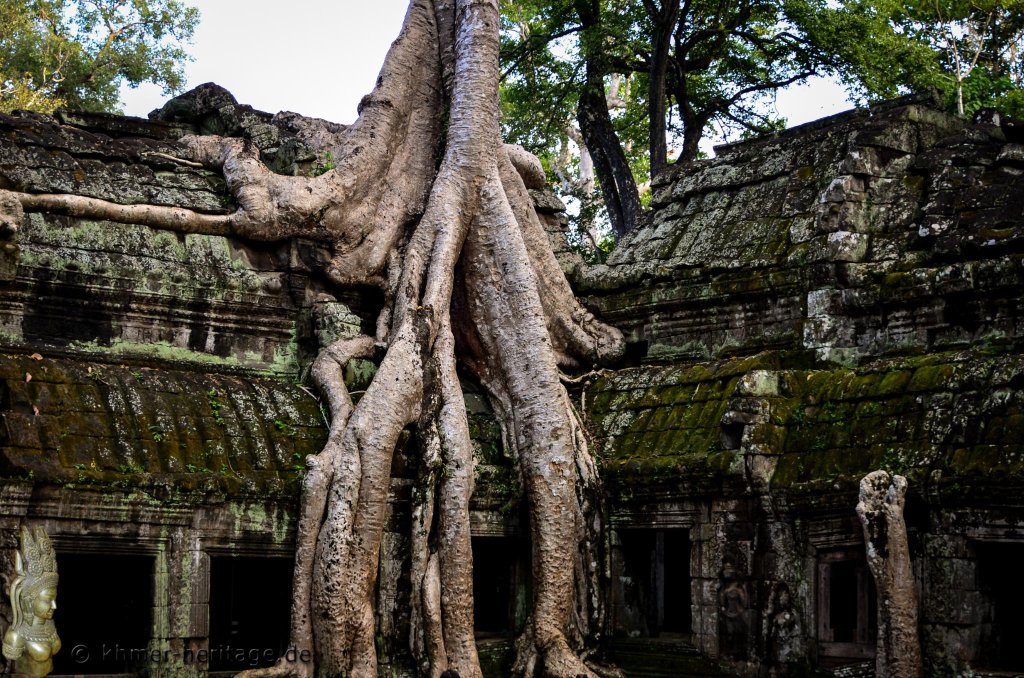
(880, 510)
(665, 23)
(421, 231)
(618, 186)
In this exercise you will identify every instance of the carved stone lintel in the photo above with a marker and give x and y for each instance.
(880, 509)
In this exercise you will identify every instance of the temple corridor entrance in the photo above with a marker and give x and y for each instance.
(250, 603)
(999, 581)
(104, 605)
(494, 585)
(657, 564)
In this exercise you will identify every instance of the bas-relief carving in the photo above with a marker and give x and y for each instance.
(31, 641)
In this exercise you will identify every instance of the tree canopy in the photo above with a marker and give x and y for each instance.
(77, 53)
(979, 43)
(602, 89)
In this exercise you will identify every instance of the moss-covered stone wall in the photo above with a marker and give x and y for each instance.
(176, 432)
(946, 420)
(885, 230)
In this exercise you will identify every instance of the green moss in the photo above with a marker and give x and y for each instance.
(160, 350)
(359, 373)
(914, 182)
(897, 279)
(898, 415)
(932, 378)
(893, 383)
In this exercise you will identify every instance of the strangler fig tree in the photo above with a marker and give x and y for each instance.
(428, 204)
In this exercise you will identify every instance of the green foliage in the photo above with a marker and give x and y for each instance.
(324, 164)
(983, 89)
(978, 44)
(863, 44)
(284, 428)
(215, 405)
(77, 53)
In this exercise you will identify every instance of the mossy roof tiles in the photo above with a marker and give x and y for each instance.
(70, 421)
(946, 420)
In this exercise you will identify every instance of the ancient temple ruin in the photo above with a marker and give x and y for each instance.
(803, 309)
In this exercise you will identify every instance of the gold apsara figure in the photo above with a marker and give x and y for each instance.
(31, 641)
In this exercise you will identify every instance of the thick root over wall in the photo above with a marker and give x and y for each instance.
(440, 219)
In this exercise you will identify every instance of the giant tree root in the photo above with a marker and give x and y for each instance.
(880, 510)
(469, 279)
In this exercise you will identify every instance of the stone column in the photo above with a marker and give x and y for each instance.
(880, 509)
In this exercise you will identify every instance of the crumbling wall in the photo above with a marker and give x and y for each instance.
(810, 307)
(877, 231)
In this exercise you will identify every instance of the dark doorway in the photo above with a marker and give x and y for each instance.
(658, 561)
(847, 605)
(494, 584)
(105, 605)
(250, 608)
(844, 588)
(998, 576)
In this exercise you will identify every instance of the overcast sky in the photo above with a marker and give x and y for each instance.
(319, 57)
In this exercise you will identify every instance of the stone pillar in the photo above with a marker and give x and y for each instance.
(880, 509)
(182, 613)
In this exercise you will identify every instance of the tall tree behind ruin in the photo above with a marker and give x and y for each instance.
(439, 218)
(980, 46)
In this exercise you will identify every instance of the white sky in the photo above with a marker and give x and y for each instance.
(319, 57)
(315, 57)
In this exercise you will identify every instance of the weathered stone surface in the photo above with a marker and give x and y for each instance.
(168, 431)
(861, 201)
(129, 290)
(948, 420)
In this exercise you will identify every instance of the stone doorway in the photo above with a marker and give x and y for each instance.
(495, 581)
(250, 604)
(104, 614)
(999, 581)
(656, 563)
(847, 605)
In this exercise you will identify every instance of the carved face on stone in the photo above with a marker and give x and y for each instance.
(45, 604)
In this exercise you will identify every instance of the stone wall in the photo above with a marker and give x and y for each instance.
(876, 231)
(807, 308)
(759, 459)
